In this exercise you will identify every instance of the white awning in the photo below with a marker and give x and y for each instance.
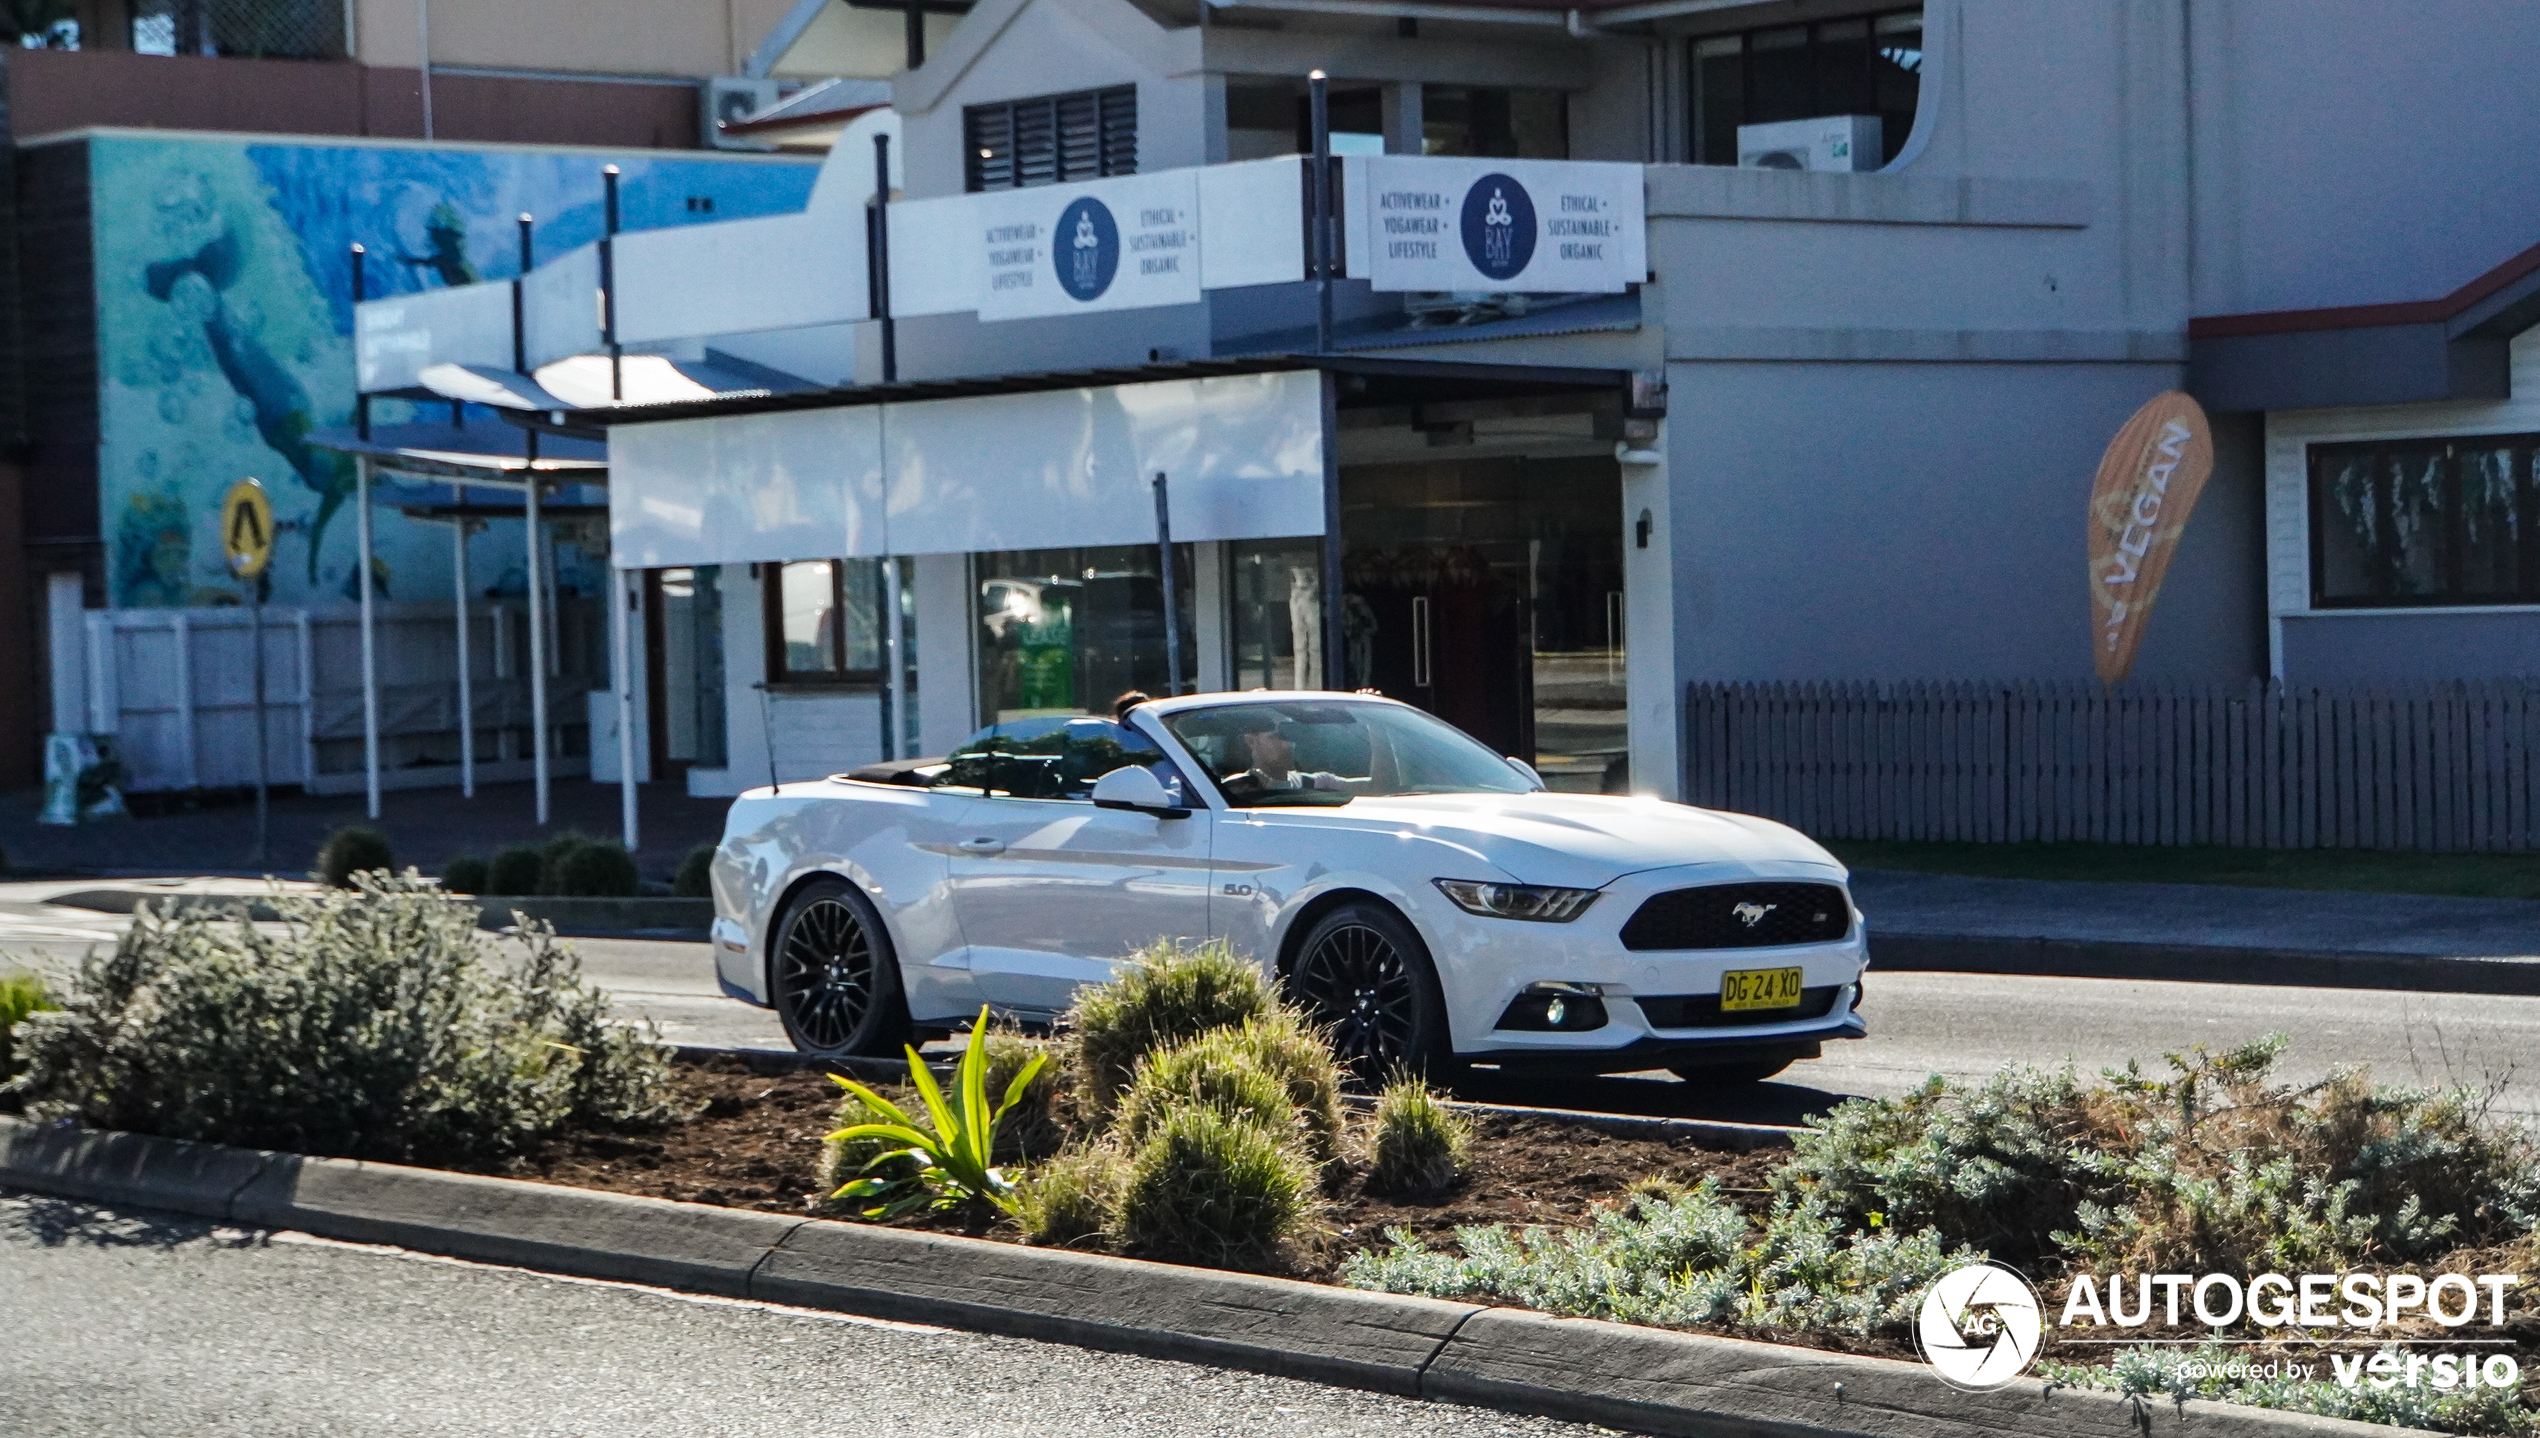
(1048, 469)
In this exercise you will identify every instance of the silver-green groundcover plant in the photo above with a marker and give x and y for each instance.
(375, 1022)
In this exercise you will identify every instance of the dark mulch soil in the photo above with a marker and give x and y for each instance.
(757, 1145)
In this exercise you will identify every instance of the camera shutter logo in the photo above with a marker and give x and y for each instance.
(1088, 250)
(1979, 1326)
(1499, 227)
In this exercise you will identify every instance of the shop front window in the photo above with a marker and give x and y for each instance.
(2410, 523)
(1067, 631)
(1277, 618)
(823, 621)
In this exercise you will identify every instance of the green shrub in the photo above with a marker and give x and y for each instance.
(2212, 1168)
(465, 874)
(953, 1154)
(1419, 1143)
(2177, 1374)
(1166, 993)
(514, 871)
(378, 1024)
(592, 869)
(1074, 1200)
(1210, 1073)
(692, 878)
(1210, 1191)
(20, 995)
(1674, 1257)
(1033, 1128)
(1300, 1057)
(353, 849)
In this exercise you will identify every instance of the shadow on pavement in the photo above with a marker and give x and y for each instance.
(1650, 1095)
(55, 1222)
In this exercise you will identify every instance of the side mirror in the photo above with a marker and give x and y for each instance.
(1135, 788)
(1522, 767)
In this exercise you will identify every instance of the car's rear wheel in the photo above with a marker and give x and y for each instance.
(1713, 1075)
(1363, 974)
(834, 979)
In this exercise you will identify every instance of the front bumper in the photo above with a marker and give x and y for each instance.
(1484, 964)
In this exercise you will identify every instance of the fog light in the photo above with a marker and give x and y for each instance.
(1555, 1008)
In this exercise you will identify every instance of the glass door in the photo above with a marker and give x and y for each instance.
(683, 652)
(1489, 592)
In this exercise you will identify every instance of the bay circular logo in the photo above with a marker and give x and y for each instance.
(1979, 1327)
(1499, 226)
(1087, 249)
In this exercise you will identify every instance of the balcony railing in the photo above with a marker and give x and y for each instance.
(267, 29)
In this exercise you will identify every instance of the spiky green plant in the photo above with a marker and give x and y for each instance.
(949, 1162)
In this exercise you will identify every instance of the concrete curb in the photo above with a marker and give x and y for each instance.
(1681, 1385)
(2196, 963)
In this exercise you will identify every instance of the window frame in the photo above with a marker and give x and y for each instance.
(771, 585)
(1745, 37)
(2317, 513)
(1114, 107)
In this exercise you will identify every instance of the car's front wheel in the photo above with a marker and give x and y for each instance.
(1362, 973)
(834, 979)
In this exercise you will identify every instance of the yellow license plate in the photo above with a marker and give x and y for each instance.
(1759, 989)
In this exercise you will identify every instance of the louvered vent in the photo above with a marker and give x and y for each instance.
(1052, 139)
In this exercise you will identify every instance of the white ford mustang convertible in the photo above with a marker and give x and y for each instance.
(1427, 899)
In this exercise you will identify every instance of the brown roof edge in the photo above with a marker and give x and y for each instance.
(2356, 317)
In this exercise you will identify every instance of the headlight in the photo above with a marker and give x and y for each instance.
(1517, 901)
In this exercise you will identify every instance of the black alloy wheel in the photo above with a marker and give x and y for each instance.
(1365, 977)
(836, 985)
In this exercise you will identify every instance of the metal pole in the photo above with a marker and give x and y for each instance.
(916, 28)
(1320, 89)
(1335, 624)
(881, 268)
(520, 302)
(895, 742)
(423, 24)
(623, 612)
(264, 779)
(608, 287)
(361, 291)
(537, 652)
(467, 680)
(370, 648)
(1172, 591)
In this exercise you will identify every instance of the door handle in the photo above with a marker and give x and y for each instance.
(981, 846)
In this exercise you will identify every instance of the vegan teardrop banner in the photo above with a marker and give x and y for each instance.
(2147, 487)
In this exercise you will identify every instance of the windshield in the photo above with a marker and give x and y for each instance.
(1299, 752)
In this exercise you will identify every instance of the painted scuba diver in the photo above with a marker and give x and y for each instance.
(194, 286)
(445, 247)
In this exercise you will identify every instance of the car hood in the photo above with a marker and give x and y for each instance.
(1585, 840)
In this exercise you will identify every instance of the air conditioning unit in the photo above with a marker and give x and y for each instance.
(1829, 142)
(735, 97)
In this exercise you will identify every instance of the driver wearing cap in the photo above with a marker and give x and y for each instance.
(1273, 753)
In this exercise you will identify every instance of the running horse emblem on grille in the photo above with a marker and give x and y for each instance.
(1751, 914)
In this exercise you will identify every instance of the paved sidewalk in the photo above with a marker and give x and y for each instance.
(2206, 932)
(425, 828)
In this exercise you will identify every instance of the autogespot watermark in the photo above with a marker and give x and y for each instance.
(1982, 1325)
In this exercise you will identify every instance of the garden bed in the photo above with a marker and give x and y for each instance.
(756, 1144)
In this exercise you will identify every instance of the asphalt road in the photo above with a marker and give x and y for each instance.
(153, 1324)
(1961, 1025)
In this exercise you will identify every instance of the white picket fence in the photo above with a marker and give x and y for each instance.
(2430, 767)
(176, 687)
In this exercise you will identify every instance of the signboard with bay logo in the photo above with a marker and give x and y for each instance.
(1505, 226)
(1124, 243)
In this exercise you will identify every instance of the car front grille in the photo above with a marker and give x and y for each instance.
(1702, 1011)
(1740, 916)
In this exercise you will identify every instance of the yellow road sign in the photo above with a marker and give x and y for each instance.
(246, 529)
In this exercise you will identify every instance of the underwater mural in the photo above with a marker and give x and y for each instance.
(224, 304)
